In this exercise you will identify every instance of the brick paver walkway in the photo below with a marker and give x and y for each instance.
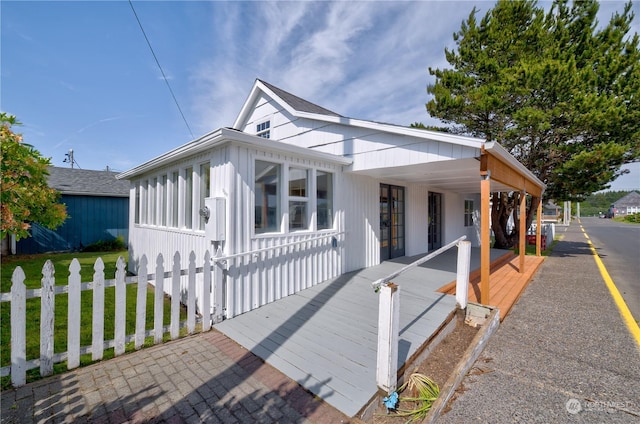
(202, 378)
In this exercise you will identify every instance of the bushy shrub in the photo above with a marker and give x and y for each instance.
(106, 245)
(633, 218)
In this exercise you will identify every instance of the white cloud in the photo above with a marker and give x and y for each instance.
(365, 60)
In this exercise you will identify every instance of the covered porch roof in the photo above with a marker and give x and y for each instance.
(464, 175)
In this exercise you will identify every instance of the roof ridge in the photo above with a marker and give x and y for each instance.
(298, 103)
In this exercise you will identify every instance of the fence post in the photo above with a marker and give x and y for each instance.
(462, 279)
(158, 303)
(218, 284)
(121, 307)
(206, 292)
(47, 319)
(73, 314)
(175, 297)
(97, 342)
(388, 328)
(18, 329)
(191, 294)
(141, 303)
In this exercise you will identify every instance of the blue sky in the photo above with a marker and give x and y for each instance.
(79, 75)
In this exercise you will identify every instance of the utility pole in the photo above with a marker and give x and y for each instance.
(69, 159)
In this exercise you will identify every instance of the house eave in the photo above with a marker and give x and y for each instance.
(224, 136)
(91, 194)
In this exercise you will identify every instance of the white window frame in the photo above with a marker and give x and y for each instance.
(468, 212)
(299, 199)
(263, 129)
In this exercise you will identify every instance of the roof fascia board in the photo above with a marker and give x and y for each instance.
(223, 136)
(258, 87)
(496, 149)
(195, 146)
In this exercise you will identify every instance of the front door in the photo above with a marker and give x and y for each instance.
(435, 221)
(391, 221)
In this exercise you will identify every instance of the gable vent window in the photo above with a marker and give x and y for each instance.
(263, 129)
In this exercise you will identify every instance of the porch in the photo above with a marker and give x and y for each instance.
(325, 337)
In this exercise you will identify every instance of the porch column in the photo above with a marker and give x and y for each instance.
(523, 229)
(485, 241)
(539, 228)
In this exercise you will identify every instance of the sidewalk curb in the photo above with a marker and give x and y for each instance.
(472, 353)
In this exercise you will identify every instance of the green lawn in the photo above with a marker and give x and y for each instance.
(32, 267)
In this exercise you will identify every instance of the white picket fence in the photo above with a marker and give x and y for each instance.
(19, 294)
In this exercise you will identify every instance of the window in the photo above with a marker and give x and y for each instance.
(188, 197)
(468, 213)
(136, 213)
(174, 199)
(164, 192)
(144, 206)
(267, 197)
(205, 175)
(298, 199)
(324, 196)
(263, 129)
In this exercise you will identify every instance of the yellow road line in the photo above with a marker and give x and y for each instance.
(615, 293)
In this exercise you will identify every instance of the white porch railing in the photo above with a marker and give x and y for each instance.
(389, 311)
(257, 277)
(212, 277)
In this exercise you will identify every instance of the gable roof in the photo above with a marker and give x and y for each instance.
(304, 109)
(298, 103)
(84, 182)
(631, 199)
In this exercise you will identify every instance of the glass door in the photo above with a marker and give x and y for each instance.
(435, 221)
(391, 221)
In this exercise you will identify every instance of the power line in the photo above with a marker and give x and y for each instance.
(160, 67)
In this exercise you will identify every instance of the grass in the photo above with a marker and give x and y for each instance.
(32, 267)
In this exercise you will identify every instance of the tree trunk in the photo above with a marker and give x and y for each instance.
(504, 204)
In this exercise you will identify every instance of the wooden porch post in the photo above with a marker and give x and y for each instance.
(523, 229)
(539, 228)
(485, 241)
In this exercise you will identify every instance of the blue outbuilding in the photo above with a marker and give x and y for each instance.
(97, 208)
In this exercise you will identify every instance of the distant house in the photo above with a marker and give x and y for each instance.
(97, 208)
(629, 204)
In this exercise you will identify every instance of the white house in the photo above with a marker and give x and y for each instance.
(298, 194)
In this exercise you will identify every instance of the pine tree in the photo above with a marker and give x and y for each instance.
(555, 91)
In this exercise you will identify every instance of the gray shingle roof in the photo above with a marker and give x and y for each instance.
(87, 183)
(632, 199)
(297, 103)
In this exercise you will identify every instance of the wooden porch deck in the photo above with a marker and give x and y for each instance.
(325, 337)
(506, 282)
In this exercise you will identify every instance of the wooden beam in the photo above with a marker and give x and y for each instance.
(523, 229)
(503, 173)
(485, 257)
(539, 228)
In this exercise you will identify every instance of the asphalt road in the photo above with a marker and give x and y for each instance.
(618, 246)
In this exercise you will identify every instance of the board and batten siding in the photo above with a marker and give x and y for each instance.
(90, 219)
(256, 279)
